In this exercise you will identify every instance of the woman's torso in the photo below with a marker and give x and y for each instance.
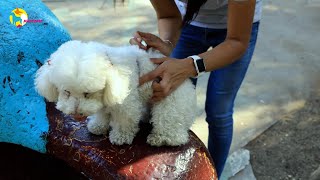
(213, 14)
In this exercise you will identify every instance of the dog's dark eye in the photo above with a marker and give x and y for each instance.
(85, 95)
(67, 93)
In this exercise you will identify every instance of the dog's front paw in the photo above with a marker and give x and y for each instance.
(155, 139)
(120, 138)
(97, 127)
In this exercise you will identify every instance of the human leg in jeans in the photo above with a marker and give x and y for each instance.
(222, 87)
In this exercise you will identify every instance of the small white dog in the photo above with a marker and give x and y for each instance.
(92, 79)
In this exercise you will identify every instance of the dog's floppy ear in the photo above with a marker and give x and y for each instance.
(117, 85)
(43, 84)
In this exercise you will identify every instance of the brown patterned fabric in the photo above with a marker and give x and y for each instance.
(97, 158)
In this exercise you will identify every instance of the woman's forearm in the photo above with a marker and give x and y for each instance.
(169, 20)
(169, 29)
(240, 18)
(222, 55)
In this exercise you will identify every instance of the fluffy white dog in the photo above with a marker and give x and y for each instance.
(96, 80)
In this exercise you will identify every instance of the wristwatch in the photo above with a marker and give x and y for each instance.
(198, 64)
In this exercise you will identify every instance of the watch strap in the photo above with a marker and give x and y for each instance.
(198, 64)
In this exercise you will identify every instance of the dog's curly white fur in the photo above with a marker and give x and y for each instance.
(102, 82)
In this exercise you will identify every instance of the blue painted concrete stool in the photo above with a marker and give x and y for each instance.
(22, 50)
(29, 33)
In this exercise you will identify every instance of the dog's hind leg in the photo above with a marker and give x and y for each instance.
(99, 123)
(172, 117)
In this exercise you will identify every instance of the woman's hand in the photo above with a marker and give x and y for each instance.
(171, 73)
(151, 40)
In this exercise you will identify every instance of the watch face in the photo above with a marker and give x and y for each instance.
(200, 65)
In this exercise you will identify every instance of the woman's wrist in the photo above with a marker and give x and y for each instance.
(190, 68)
(168, 47)
(168, 42)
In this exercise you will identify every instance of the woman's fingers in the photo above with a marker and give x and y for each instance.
(169, 75)
(150, 39)
(152, 75)
(147, 40)
(144, 40)
(137, 40)
(156, 87)
(157, 96)
(161, 89)
(145, 35)
(165, 84)
(158, 60)
(156, 99)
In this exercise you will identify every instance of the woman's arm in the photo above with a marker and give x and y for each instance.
(169, 19)
(169, 25)
(240, 18)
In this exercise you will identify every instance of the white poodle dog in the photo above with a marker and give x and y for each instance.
(96, 80)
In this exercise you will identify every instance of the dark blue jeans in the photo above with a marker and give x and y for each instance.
(222, 87)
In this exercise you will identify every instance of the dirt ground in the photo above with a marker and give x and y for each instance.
(290, 149)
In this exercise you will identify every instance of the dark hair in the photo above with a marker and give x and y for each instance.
(193, 7)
